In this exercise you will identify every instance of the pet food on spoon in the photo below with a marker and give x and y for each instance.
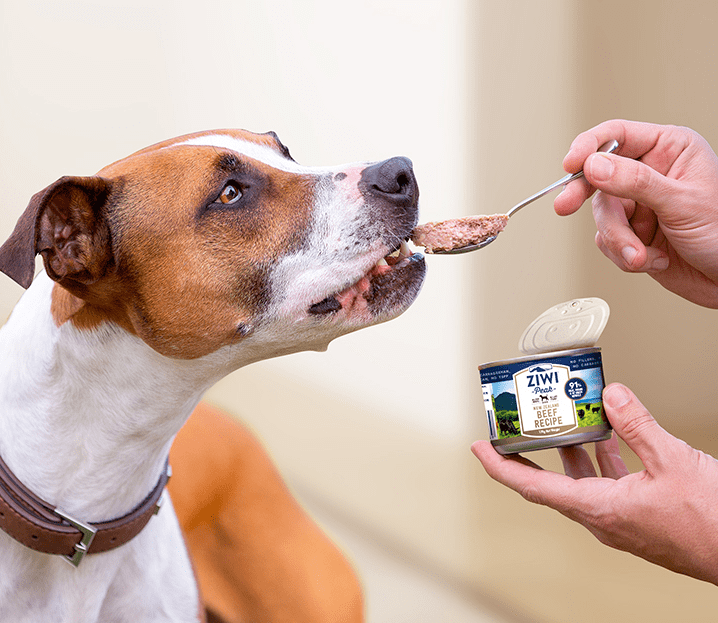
(442, 236)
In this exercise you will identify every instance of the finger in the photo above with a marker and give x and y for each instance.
(608, 457)
(577, 462)
(636, 426)
(619, 241)
(535, 485)
(634, 139)
(631, 179)
(572, 197)
(523, 460)
(644, 223)
(650, 263)
(616, 259)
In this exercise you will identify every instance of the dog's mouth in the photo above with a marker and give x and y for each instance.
(376, 290)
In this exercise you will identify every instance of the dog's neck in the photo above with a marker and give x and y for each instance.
(88, 416)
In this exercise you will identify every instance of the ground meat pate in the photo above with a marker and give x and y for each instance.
(459, 232)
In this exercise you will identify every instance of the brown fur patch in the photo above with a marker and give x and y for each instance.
(191, 276)
(67, 307)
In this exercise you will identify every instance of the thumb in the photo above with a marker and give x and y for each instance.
(630, 179)
(637, 427)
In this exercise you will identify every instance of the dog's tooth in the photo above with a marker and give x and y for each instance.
(382, 262)
(404, 249)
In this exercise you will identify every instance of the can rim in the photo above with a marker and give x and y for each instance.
(599, 433)
(541, 356)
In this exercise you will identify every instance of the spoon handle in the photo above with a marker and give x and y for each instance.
(607, 148)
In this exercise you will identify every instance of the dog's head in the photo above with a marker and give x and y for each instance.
(220, 238)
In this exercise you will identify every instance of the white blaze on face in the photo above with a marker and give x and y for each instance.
(262, 153)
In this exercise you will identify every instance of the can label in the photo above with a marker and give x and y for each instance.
(544, 410)
(544, 397)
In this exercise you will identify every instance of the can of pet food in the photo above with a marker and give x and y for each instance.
(550, 398)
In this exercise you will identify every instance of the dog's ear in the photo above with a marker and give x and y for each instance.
(64, 223)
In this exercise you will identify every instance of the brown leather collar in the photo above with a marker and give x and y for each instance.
(44, 528)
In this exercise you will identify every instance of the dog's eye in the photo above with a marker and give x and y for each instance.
(231, 193)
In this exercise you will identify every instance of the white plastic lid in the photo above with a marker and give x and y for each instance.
(575, 324)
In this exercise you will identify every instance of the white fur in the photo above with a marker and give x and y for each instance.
(86, 422)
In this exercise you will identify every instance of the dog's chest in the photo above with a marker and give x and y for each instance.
(149, 580)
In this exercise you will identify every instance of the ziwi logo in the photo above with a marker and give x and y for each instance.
(542, 379)
(544, 408)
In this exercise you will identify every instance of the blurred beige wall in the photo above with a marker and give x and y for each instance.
(485, 97)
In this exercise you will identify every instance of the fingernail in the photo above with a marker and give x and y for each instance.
(660, 263)
(629, 253)
(615, 396)
(563, 190)
(601, 167)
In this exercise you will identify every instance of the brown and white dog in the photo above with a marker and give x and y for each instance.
(162, 274)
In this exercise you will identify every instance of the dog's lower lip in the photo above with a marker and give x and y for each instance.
(397, 258)
(327, 306)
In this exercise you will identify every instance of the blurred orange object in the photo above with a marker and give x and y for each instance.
(256, 553)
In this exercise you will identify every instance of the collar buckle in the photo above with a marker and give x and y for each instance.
(88, 534)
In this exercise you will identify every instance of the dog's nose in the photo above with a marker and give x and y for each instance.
(392, 180)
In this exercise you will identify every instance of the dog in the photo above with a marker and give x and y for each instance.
(161, 274)
(256, 554)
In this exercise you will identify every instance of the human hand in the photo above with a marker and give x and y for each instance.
(666, 514)
(657, 206)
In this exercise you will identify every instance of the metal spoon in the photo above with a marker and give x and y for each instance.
(607, 148)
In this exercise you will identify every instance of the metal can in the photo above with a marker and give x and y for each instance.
(552, 396)
(545, 401)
